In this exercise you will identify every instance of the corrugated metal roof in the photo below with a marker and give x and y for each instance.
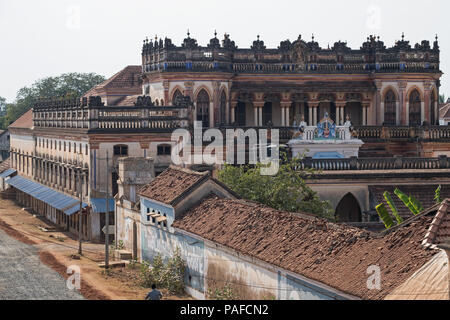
(52, 197)
(7, 173)
(99, 205)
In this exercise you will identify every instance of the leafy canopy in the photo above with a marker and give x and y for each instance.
(286, 191)
(65, 85)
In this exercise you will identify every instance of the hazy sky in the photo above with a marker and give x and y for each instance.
(46, 38)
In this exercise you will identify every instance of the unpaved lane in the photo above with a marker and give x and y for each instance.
(24, 276)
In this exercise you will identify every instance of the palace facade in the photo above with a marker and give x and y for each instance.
(260, 86)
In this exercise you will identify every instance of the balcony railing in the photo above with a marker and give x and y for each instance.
(366, 164)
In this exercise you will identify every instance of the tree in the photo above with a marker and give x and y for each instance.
(286, 191)
(2, 106)
(65, 85)
(442, 98)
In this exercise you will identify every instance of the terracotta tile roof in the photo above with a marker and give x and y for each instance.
(172, 184)
(423, 193)
(127, 101)
(444, 111)
(5, 165)
(335, 255)
(129, 77)
(25, 121)
(439, 230)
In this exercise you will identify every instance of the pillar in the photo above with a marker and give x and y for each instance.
(340, 107)
(211, 114)
(397, 113)
(310, 117)
(233, 111)
(314, 106)
(283, 114)
(404, 107)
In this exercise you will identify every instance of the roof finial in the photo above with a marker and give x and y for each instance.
(156, 38)
(403, 36)
(257, 37)
(312, 37)
(215, 33)
(436, 37)
(188, 33)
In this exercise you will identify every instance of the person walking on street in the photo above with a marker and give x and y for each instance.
(154, 294)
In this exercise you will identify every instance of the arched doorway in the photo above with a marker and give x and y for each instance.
(390, 108)
(203, 108)
(348, 210)
(415, 106)
(267, 113)
(177, 94)
(239, 114)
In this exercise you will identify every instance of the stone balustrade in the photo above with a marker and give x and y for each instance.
(366, 164)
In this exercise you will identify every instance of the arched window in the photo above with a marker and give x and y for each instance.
(223, 107)
(348, 209)
(162, 102)
(415, 107)
(175, 96)
(156, 102)
(390, 108)
(203, 108)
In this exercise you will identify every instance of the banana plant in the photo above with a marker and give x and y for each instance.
(391, 204)
(437, 195)
(384, 215)
(410, 202)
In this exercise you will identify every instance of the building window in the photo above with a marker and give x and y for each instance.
(86, 149)
(74, 147)
(203, 108)
(70, 147)
(64, 146)
(164, 150)
(390, 109)
(415, 106)
(121, 150)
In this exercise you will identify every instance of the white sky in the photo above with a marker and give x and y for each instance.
(49, 37)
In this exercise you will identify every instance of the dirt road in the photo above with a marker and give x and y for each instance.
(24, 276)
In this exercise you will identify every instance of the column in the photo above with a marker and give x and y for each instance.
(422, 112)
(381, 112)
(283, 113)
(407, 114)
(258, 105)
(211, 114)
(287, 116)
(365, 110)
(436, 113)
(403, 104)
(233, 114)
(397, 113)
(340, 107)
(310, 115)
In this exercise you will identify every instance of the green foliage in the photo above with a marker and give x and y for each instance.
(169, 275)
(66, 85)
(224, 293)
(437, 195)
(442, 98)
(286, 191)
(410, 202)
(384, 215)
(391, 204)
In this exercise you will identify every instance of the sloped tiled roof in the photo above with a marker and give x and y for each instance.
(127, 101)
(439, 230)
(127, 78)
(5, 165)
(336, 255)
(172, 184)
(25, 121)
(444, 111)
(423, 193)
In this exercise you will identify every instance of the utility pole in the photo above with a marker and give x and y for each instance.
(80, 215)
(107, 215)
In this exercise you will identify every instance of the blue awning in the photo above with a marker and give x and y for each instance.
(7, 173)
(99, 205)
(56, 199)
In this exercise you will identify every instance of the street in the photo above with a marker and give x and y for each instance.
(24, 276)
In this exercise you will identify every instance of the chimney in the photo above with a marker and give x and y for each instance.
(133, 174)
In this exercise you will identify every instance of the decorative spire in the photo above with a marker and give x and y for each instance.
(403, 36)
(257, 37)
(312, 37)
(188, 33)
(436, 37)
(156, 38)
(215, 33)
